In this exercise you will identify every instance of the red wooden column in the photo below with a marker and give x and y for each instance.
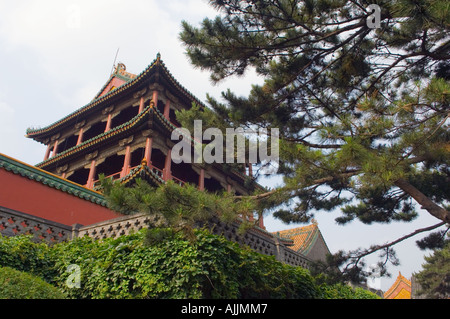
(167, 109)
(155, 98)
(90, 181)
(55, 148)
(47, 151)
(261, 222)
(141, 104)
(126, 162)
(108, 123)
(201, 180)
(167, 174)
(80, 137)
(148, 150)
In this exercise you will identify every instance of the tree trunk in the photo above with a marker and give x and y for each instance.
(427, 204)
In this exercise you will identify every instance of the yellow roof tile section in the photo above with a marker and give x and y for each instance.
(400, 289)
(303, 237)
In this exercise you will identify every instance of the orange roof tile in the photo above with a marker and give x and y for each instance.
(303, 237)
(400, 289)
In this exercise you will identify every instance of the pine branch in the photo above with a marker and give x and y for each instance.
(315, 182)
(357, 258)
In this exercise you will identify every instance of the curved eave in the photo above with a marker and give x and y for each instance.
(150, 70)
(180, 88)
(97, 140)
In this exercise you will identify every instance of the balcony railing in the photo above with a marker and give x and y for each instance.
(156, 170)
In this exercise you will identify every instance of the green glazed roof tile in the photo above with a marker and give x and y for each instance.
(51, 180)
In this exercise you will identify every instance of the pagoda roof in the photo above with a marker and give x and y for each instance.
(118, 131)
(51, 180)
(303, 237)
(128, 82)
(97, 140)
(400, 289)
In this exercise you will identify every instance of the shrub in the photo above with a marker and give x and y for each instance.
(15, 284)
(21, 253)
(208, 266)
(341, 291)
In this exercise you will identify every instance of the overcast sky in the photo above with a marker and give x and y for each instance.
(56, 55)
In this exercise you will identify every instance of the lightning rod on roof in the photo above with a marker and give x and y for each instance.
(114, 63)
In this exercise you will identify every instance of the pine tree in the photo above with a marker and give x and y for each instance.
(434, 279)
(363, 111)
(175, 208)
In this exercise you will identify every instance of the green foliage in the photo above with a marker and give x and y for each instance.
(434, 279)
(207, 267)
(355, 117)
(180, 208)
(15, 284)
(20, 253)
(341, 291)
(363, 113)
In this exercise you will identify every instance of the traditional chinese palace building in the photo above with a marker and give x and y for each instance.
(129, 120)
(123, 133)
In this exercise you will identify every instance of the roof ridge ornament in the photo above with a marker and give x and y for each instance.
(120, 67)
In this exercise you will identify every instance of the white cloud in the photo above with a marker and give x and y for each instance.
(76, 41)
(6, 123)
(6, 111)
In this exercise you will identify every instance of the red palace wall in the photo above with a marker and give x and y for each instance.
(34, 198)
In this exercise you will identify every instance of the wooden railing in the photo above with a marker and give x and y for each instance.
(156, 170)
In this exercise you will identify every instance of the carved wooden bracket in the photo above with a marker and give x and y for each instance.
(91, 156)
(140, 93)
(126, 141)
(62, 169)
(80, 124)
(108, 109)
(55, 137)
